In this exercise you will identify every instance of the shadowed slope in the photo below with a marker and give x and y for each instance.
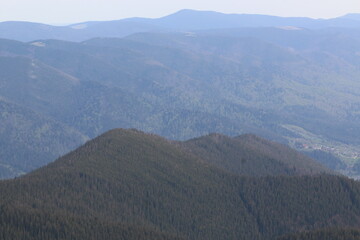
(250, 155)
(127, 176)
(325, 234)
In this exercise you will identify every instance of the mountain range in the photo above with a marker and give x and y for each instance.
(297, 87)
(197, 125)
(184, 20)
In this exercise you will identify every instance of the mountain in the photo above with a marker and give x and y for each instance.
(272, 66)
(29, 140)
(184, 20)
(39, 225)
(297, 87)
(28, 31)
(326, 159)
(249, 155)
(201, 20)
(152, 184)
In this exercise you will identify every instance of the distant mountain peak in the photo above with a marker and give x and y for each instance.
(194, 11)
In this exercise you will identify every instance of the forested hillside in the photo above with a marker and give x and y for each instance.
(296, 85)
(325, 234)
(39, 225)
(29, 140)
(250, 155)
(166, 83)
(159, 189)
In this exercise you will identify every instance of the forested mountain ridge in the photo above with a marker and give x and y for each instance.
(294, 86)
(249, 155)
(142, 180)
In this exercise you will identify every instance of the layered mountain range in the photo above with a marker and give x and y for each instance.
(211, 90)
(184, 20)
(290, 84)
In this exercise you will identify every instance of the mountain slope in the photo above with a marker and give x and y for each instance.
(325, 234)
(29, 140)
(93, 102)
(249, 155)
(37, 225)
(147, 181)
(140, 179)
(303, 93)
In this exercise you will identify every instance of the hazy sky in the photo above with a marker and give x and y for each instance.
(71, 11)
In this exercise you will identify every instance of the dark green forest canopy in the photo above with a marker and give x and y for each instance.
(325, 234)
(128, 183)
(250, 155)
